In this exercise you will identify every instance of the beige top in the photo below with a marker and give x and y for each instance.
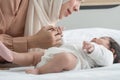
(12, 24)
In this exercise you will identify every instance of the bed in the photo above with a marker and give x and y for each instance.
(103, 73)
(71, 36)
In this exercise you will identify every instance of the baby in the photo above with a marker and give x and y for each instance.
(101, 51)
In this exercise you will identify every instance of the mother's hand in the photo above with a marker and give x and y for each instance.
(46, 37)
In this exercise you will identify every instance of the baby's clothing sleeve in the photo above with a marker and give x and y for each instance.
(101, 55)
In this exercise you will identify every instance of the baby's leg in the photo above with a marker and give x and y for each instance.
(60, 62)
(23, 59)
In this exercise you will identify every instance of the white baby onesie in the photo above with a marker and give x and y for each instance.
(101, 56)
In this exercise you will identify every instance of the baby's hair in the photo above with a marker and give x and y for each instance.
(114, 45)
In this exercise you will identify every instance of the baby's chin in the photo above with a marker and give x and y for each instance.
(91, 41)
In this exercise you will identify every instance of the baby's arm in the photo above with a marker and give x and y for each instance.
(101, 55)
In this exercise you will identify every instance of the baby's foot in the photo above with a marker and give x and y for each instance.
(5, 53)
(32, 71)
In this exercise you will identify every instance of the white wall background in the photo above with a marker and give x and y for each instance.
(108, 18)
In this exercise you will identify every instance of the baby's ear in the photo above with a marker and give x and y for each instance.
(113, 51)
(114, 56)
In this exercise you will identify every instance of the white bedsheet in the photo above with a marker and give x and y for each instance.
(104, 73)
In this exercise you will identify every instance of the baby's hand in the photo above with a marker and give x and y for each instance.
(88, 47)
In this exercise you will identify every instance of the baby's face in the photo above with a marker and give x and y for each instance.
(102, 41)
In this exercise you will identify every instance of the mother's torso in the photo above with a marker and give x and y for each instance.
(12, 16)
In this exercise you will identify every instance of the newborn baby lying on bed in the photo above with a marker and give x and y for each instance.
(98, 52)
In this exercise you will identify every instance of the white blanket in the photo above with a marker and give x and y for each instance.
(102, 73)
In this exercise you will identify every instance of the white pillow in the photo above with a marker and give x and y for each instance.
(86, 34)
